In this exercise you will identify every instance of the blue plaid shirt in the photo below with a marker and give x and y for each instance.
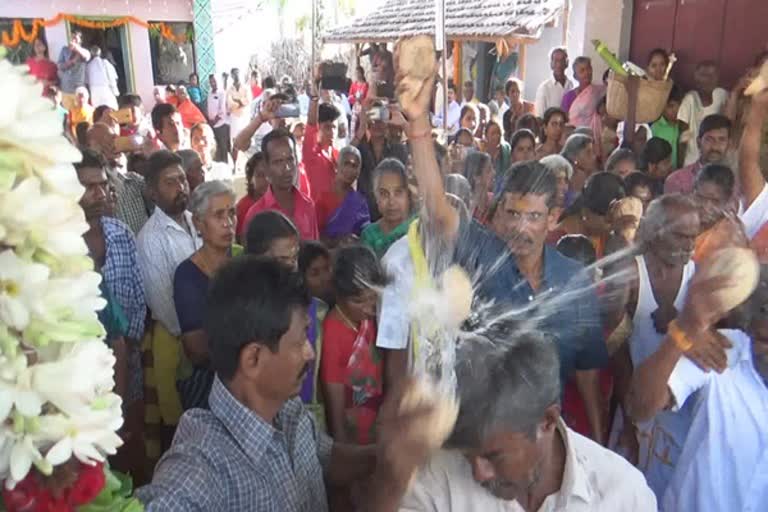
(227, 459)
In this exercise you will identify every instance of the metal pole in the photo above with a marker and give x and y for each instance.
(314, 41)
(441, 41)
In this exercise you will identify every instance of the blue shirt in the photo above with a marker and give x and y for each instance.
(228, 459)
(565, 307)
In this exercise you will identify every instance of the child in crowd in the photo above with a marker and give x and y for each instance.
(351, 369)
(194, 91)
(667, 127)
(272, 234)
(656, 161)
(394, 201)
(256, 185)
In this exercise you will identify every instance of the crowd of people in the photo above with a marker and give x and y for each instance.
(263, 342)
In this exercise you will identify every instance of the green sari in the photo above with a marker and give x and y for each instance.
(376, 239)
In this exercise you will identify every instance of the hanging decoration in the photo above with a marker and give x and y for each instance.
(19, 32)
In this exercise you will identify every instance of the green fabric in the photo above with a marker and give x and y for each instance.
(115, 496)
(112, 316)
(237, 250)
(670, 132)
(376, 239)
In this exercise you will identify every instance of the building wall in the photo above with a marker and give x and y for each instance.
(141, 60)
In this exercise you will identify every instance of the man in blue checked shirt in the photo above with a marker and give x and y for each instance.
(258, 448)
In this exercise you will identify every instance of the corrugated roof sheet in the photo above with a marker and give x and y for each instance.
(464, 19)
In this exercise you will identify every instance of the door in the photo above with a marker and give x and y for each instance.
(729, 32)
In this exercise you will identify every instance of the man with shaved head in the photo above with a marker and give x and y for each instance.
(127, 187)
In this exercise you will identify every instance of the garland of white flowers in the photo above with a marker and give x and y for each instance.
(56, 372)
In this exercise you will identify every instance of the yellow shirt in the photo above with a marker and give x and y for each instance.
(83, 114)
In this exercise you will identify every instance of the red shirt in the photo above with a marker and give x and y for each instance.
(44, 70)
(355, 88)
(362, 376)
(304, 216)
(256, 91)
(242, 207)
(319, 163)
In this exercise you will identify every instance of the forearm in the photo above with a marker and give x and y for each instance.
(395, 368)
(386, 492)
(314, 104)
(648, 392)
(195, 344)
(428, 176)
(243, 139)
(750, 175)
(350, 463)
(588, 383)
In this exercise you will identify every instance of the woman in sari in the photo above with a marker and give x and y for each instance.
(213, 211)
(393, 198)
(581, 103)
(480, 173)
(517, 106)
(554, 123)
(343, 211)
(498, 149)
(522, 145)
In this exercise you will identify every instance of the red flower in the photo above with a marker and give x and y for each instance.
(89, 484)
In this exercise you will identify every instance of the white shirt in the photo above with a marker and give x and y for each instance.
(724, 464)
(756, 215)
(454, 116)
(218, 171)
(594, 480)
(217, 107)
(101, 73)
(550, 94)
(162, 244)
(394, 325)
(244, 95)
(692, 112)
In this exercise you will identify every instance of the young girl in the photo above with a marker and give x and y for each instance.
(393, 198)
(351, 369)
(273, 235)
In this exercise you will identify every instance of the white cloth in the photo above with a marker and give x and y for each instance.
(218, 171)
(661, 439)
(394, 326)
(692, 112)
(162, 244)
(594, 480)
(454, 116)
(238, 114)
(497, 111)
(217, 107)
(724, 464)
(756, 215)
(550, 94)
(101, 77)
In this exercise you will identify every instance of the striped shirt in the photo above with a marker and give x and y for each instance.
(132, 206)
(228, 459)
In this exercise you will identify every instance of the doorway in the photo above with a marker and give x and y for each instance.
(115, 48)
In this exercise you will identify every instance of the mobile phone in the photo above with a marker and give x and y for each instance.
(123, 116)
(287, 110)
(385, 90)
(333, 76)
(379, 114)
(128, 143)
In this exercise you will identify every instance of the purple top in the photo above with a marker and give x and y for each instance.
(317, 311)
(568, 99)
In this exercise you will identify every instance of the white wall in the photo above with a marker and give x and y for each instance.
(141, 62)
(537, 59)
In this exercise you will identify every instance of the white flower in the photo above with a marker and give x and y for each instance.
(77, 378)
(21, 285)
(15, 389)
(88, 435)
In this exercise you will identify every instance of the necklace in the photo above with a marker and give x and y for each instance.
(345, 319)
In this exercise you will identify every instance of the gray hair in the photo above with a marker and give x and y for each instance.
(458, 185)
(350, 150)
(620, 155)
(581, 60)
(188, 158)
(558, 164)
(506, 379)
(575, 144)
(661, 213)
(200, 198)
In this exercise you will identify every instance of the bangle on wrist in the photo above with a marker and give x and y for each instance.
(679, 337)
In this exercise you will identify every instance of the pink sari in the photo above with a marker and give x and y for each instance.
(583, 113)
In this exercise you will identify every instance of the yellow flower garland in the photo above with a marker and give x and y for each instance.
(19, 34)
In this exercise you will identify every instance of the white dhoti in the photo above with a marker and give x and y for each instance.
(102, 95)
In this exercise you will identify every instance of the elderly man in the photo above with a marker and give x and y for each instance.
(722, 462)
(655, 293)
(712, 140)
(563, 171)
(510, 449)
(193, 168)
(101, 77)
(550, 92)
(168, 238)
(133, 205)
(579, 150)
(71, 64)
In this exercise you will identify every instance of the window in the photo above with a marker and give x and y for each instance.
(172, 63)
(21, 52)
